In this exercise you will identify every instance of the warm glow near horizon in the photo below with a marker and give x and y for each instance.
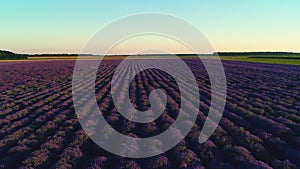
(149, 44)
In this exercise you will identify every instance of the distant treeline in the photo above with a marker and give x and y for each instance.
(50, 55)
(250, 54)
(6, 55)
(253, 53)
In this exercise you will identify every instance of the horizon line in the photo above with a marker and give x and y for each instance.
(145, 54)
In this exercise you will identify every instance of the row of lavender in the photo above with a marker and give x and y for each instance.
(260, 126)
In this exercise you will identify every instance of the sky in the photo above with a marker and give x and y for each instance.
(65, 26)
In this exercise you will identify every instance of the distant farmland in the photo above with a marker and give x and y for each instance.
(260, 57)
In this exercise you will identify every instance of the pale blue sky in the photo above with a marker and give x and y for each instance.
(61, 26)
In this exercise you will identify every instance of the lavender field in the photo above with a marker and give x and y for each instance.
(260, 127)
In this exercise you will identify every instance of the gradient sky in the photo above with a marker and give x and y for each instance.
(64, 26)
